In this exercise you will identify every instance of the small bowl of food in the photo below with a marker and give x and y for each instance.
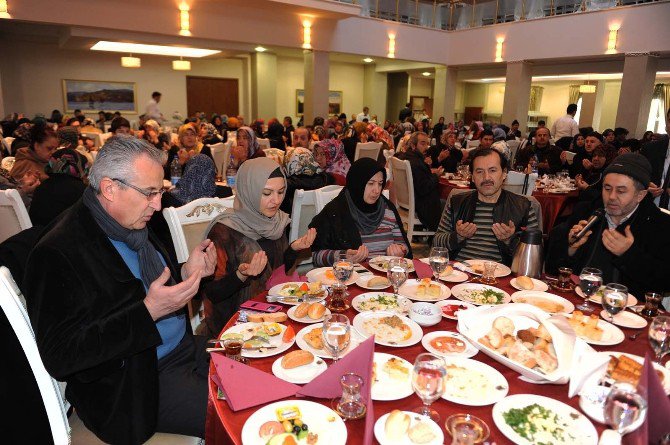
(425, 314)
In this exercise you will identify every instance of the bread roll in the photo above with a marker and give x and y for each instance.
(316, 311)
(301, 310)
(397, 424)
(421, 433)
(296, 358)
(255, 317)
(378, 282)
(504, 325)
(525, 283)
(275, 317)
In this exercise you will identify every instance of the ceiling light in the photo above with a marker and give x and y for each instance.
(426, 73)
(181, 65)
(184, 20)
(159, 50)
(260, 49)
(368, 60)
(4, 12)
(131, 62)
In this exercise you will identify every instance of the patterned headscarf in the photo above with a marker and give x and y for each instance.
(197, 181)
(68, 137)
(336, 160)
(319, 132)
(67, 162)
(380, 135)
(211, 131)
(301, 162)
(23, 131)
(253, 141)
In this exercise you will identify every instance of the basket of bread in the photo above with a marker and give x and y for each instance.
(522, 337)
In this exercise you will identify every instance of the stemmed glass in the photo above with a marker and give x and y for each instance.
(438, 260)
(397, 273)
(336, 334)
(428, 378)
(659, 336)
(343, 267)
(614, 299)
(625, 409)
(590, 281)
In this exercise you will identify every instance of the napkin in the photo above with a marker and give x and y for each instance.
(658, 407)
(422, 269)
(279, 276)
(245, 386)
(586, 361)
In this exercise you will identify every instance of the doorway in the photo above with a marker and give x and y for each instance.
(212, 95)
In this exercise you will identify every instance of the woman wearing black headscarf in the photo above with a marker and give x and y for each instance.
(360, 219)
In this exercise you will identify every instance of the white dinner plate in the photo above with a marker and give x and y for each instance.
(364, 318)
(478, 385)
(380, 432)
(611, 334)
(354, 341)
(319, 274)
(538, 285)
(301, 374)
(276, 291)
(501, 269)
(536, 298)
(456, 305)
(386, 387)
(363, 279)
(246, 330)
(319, 418)
(626, 319)
(468, 351)
(377, 263)
(410, 287)
(362, 302)
(306, 319)
(577, 429)
(469, 292)
(597, 297)
(455, 276)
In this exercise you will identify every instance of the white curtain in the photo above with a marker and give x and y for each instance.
(532, 9)
(594, 5)
(365, 7)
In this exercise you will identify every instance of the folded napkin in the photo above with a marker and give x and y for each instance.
(422, 269)
(246, 386)
(279, 276)
(658, 408)
(586, 361)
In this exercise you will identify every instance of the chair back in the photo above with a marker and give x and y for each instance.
(304, 209)
(275, 154)
(263, 143)
(537, 208)
(665, 210)
(7, 143)
(473, 144)
(48, 387)
(367, 150)
(97, 140)
(403, 185)
(218, 155)
(8, 163)
(222, 158)
(104, 137)
(513, 148)
(324, 195)
(520, 183)
(570, 156)
(13, 214)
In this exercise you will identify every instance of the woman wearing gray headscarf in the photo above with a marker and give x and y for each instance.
(250, 241)
(499, 143)
(247, 147)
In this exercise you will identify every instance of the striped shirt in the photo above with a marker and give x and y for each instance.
(377, 242)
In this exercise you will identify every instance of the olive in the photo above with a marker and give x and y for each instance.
(304, 427)
(296, 429)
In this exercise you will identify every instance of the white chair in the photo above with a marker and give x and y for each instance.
(218, 155)
(104, 137)
(473, 144)
(324, 195)
(8, 163)
(13, 214)
(304, 209)
(665, 210)
(537, 208)
(97, 140)
(367, 150)
(515, 183)
(403, 189)
(223, 158)
(187, 227)
(570, 156)
(263, 143)
(513, 148)
(7, 143)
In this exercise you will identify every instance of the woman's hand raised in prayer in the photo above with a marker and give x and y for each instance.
(358, 255)
(305, 241)
(254, 267)
(396, 250)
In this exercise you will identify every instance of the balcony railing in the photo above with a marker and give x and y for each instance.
(461, 14)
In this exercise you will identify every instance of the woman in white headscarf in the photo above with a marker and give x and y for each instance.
(250, 241)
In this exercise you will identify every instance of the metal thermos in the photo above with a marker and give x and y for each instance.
(528, 258)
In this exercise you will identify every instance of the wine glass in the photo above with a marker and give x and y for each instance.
(614, 299)
(438, 260)
(336, 334)
(428, 378)
(590, 281)
(397, 273)
(343, 267)
(659, 336)
(625, 409)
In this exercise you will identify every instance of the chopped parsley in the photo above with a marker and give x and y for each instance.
(538, 425)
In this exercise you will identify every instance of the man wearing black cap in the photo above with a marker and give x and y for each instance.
(631, 242)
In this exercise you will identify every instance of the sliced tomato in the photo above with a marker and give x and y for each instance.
(289, 334)
(304, 287)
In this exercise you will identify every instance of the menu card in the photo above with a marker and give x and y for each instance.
(423, 270)
(279, 276)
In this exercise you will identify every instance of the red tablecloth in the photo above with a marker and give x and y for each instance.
(224, 426)
(552, 204)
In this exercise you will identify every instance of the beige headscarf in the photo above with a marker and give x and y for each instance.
(246, 217)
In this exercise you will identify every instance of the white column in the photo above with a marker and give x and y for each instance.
(317, 70)
(374, 92)
(637, 88)
(263, 86)
(597, 110)
(444, 93)
(517, 93)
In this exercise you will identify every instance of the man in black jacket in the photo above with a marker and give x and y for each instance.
(483, 224)
(658, 154)
(630, 244)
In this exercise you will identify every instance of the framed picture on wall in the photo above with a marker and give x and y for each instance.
(99, 95)
(334, 102)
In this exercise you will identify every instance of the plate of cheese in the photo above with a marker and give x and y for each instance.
(424, 290)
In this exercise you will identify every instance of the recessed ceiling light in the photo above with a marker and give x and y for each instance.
(260, 49)
(426, 73)
(368, 60)
(159, 50)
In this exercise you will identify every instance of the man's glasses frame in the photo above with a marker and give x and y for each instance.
(149, 194)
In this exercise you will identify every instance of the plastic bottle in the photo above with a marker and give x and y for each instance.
(533, 164)
(175, 171)
(231, 174)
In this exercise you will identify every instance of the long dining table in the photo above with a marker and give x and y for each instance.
(224, 426)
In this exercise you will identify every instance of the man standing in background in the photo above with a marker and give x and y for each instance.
(152, 111)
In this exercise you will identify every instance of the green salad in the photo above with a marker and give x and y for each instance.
(484, 296)
(381, 302)
(539, 425)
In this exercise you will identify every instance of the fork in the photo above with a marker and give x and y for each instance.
(634, 336)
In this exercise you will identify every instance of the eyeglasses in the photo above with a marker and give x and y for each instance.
(149, 194)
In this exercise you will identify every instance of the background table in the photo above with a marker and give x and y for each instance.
(224, 426)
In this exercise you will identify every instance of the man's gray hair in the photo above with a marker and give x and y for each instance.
(116, 158)
(414, 139)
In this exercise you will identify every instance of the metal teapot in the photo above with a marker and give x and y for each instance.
(528, 258)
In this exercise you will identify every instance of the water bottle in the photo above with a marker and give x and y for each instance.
(231, 174)
(533, 164)
(175, 171)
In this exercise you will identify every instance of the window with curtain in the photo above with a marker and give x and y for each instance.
(659, 104)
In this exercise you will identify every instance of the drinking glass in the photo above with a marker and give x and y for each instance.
(659, 336)
(438, 260)
(590, 281)
(351, 405)
(428, 378)
(343, 267)
(651, 302)
(489, 274)
(233, 348)
(614, 299)
(336, 334)
(625, 409)
(397, 273)
(466, 429)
